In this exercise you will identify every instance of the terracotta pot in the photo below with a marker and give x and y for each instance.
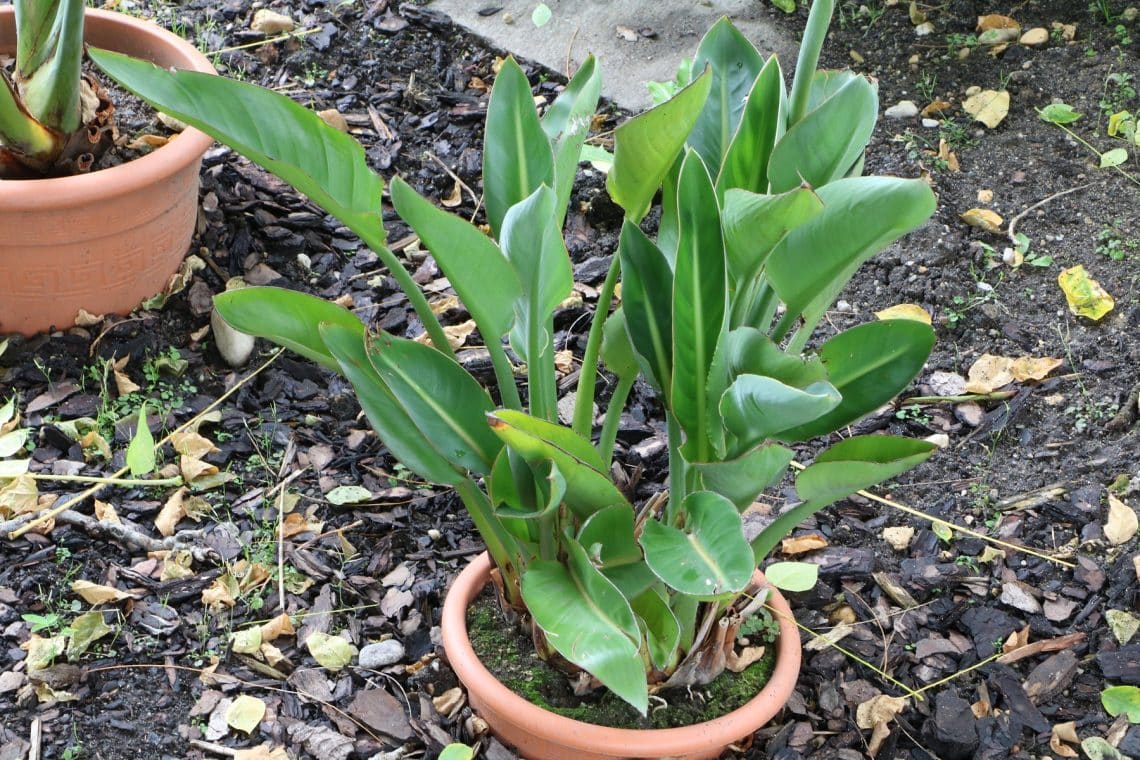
(102, 241)
(541, 735)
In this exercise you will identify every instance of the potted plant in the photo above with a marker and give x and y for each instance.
(99, 241)
(763, 220)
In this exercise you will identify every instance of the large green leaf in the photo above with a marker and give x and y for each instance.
(859, 462)
(700, 303)
(566, 124)
(609, 538)
(735, 64)
(662, 630)
(646, 292)
(745, 164)
(288, 318)
(533, 244)
(516, 152)
(847, 467)
(824, 145)
(447, 405)
(588, 621)
(392, 424)
(646, 146)
(286, 138)
(708, 556)
(588, 489)
(756, 408)
(868, 365)
(743, 478)
(474, 265)
(755, 224)
(860, 217)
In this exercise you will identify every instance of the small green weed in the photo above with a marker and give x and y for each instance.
(1111, 243)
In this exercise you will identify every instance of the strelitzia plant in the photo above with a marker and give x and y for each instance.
(763, 220)
(54, 120)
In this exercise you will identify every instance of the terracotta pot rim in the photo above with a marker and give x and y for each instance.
(184, 150)
(618, 741)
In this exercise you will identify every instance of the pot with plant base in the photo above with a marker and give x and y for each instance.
(538, 734)
(102, 241)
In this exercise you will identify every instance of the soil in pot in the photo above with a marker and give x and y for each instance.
(508, 653)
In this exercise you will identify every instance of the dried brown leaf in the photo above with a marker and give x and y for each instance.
(802, 544)
(983, 219)
(878, 709)
(1062, 735)
(94, 593)
(172, 511)
(1121, 524)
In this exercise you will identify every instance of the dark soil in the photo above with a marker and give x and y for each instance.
(412, 89)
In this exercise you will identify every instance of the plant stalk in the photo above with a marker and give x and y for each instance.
(584, 401)
(819, 19)
(613, 416)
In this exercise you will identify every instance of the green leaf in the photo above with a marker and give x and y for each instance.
(700, 304)
(1098, 748)
(588, 489)
(868, 365)
(533, 244)
(845, 468)
(823, 146)
(857, 463)
(646, 293)
(709, 556)
(85, 631)
(735, 64)
(662, 630)
(609, 538)
(332, 652)
(617, 348)
(446, 404)
(1058, 113)
(755, 408)
(1114, 157)
(755, 224)
(245, 713)
(787, 6)
(745, 163)
(566, 124)
(342, 495)
(13, 441)
(474, 265)
(457, 752)
(646, 145)
(287, 318)
(1122, 699)
(270, 129)
(516, 153)
(392, 424)
(792, 576)
(588, 621)
(541, 15)
(743, 478)
(140, 451)
(860, 217)
(8, 411)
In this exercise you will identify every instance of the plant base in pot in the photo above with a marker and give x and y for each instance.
(541, 735)
(102, 241)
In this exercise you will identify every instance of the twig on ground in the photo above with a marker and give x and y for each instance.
(1013, 222)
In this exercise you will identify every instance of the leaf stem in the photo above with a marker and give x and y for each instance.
(613, 417)
(819, 19)
(111, 481)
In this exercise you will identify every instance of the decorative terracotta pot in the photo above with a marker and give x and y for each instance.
(102, 241)
(541, 735)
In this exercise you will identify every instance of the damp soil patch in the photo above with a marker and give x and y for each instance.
(507, 651)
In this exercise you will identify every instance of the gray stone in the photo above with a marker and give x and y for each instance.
(1017, 594)
(381, 654)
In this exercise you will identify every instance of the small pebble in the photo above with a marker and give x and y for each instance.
(924, 29)
(904, 109)
(381, 654)
(1036, 36)
(930, 123)
(843, 306)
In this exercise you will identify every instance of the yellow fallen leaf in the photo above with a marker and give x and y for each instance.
(192, 444)
(1016, 640)
(1033, 367)
(245, 713)
(948, 156)
(983, 219)
(802, 544)
(271, 654)
(1121, 524)
(193, 468)
(564, 361)
(936, 107)
(172, 511)
(910, 311)
(444, 304)
(988, 106)
(246, 641)
(1062, 733)
(989, 373)
(94, 593)
(278, 626)
(221, 593)
(332, 652)
(123, 384)
(295, 523)
(1085, 295)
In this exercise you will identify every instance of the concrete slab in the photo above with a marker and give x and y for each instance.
(580, 27)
